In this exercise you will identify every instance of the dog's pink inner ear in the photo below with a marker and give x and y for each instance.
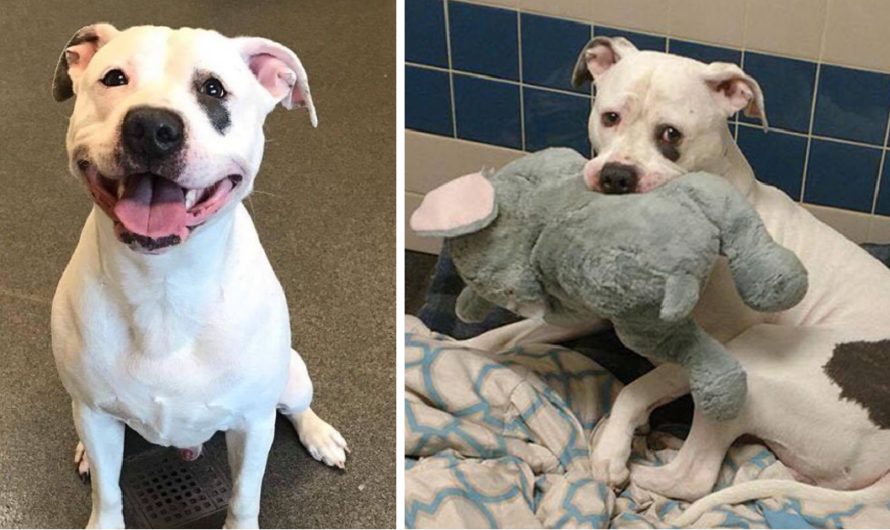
(599, 59)
(737, 92)
(78, 58)
(279, 71)
(276, 77)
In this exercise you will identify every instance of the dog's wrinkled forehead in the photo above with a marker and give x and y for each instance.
(165, 55)
(649, 80)
(158, 62)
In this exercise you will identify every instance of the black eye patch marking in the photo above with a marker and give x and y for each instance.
(668, 149)
(215, 108)
(862, 370)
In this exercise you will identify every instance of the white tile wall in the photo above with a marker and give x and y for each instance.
(857, 33)
(786, 27)
(712, 21)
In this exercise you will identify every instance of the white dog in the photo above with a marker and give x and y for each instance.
(169, 318)
(818, 391)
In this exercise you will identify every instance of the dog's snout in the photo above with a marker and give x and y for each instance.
(618, 178)
(153, 133)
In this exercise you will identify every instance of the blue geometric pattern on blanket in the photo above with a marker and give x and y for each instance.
(466, 491)
(552, 395)
(501, 440)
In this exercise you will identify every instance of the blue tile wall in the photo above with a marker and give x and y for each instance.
(487, 111)
(842, 175)
(427, 100)
(550, 47)
(425, 33)
(852, 104)
(555, 120)
(776, 158)
(518, 95)
(787, 86)
(484, 40)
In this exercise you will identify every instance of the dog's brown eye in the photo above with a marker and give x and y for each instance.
(213, 87)
(115, 78)
(610, 119)
(671, 135)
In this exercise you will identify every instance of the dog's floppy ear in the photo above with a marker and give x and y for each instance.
(735, 90)
(76, 55)
(462, 206)
(598, 55)
(280, 72)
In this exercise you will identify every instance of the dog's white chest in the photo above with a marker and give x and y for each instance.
(179, 358)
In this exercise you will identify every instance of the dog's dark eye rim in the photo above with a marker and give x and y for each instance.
(213, 87)
(610, 119)
(668, 134)
(115, 77)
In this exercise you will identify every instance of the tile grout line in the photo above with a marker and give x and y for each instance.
(874, 199)
(445, 4)
(487, 77)
(817, 77)
(590, 96)
(778, 130)
(521, 86)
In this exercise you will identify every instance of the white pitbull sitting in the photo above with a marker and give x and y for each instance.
(818, 391)
(169, 317)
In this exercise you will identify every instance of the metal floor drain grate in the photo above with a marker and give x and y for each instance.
(168, 492)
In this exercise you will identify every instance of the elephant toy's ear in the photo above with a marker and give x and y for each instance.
(462, 206)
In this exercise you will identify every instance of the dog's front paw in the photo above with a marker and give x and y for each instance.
(322, 441)
(111, 518)
(610, 452)
(235, 522)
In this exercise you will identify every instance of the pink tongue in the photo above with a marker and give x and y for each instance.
(151, 206)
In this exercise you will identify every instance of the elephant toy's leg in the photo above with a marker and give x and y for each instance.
(768, 276)
(471, 307)
(716, 378)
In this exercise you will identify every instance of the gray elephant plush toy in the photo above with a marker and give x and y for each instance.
(532, 238)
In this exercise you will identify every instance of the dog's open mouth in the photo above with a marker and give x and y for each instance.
(152, 213)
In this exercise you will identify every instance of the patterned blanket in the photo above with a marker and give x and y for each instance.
(501, 440)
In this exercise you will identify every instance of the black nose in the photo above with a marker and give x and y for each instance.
(618, 178)
(152, 133)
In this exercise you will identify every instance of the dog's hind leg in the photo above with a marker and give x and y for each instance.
(692, 474)
(322, 441)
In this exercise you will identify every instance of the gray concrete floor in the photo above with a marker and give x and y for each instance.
(325, 210)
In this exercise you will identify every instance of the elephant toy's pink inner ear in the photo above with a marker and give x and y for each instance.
(464, 205)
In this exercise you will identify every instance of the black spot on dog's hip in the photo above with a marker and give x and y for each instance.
(862, 370)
